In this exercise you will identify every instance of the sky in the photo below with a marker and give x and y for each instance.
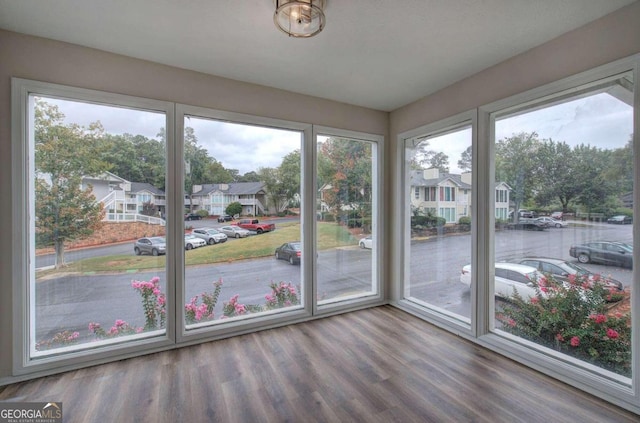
(599, 120)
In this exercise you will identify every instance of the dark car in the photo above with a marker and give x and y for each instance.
(225, 218)
(192, 216)
(561, 270)
(154, 245)
(290, 251)
(620, 220)
(605, 252)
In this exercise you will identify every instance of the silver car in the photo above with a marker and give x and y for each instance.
(210, 235)
(155, 245)
(234, 231)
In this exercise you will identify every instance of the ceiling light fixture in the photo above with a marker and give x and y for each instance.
(300, 18)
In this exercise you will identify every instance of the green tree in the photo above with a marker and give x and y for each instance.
(516, 164)
(465, 159)
(558, 175)
(233, 209)
(64, 153)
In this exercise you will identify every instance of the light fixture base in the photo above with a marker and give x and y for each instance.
(300, 18)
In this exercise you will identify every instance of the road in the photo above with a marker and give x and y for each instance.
(71, 302)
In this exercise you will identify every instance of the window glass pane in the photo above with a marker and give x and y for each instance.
(97, 224)
(440, 230)
(346, 231)
(242, 220)
(568, 167)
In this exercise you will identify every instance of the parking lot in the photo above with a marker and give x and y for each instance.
(436, 263)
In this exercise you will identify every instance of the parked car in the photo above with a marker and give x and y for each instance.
(557, 215)
(290, 251)
(155, 245)
(210, 235)
(620, 220)
(605, 252)
(225, 218)
(511, 277)
(191, 242)
(192, 216)
(551, 222)
(234, 231)
(366, 242)
(561, 271)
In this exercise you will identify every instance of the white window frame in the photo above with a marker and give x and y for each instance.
(567, 369)
(377, 296)
(265, 319)
(24, 269)
(399, 292)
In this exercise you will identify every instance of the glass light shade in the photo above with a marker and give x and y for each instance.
(302, 18)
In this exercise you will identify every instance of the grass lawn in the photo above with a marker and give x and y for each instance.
(330, 235)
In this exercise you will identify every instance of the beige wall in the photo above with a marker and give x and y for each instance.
(51, 61)
(610, 38)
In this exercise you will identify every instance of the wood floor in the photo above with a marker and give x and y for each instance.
(376, 365)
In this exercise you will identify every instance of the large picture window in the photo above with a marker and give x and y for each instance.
(564, 255)
(93, 222)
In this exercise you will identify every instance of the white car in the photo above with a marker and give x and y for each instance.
(210, 235)
(191, 242)
(234, 231)
(509, 278)
(366, 242)
(551, 222)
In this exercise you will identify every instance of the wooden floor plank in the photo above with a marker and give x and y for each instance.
(375, 365)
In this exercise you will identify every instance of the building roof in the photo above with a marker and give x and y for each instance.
(417, 179)
(235, 188)
(144, 186)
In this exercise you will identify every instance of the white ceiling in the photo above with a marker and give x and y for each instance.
(381, 54)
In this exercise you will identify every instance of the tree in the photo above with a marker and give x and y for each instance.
(465, 160)
(63, 155)
(234, 209)
(516, 164)
(558, 175)
(438, 161)
(344, 175)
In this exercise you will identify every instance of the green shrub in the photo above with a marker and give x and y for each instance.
(202, 213)
(573, 320)
(465, 220)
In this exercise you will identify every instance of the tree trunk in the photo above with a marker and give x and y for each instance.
(59, 247)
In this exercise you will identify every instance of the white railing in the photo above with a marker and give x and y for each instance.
(133, 217)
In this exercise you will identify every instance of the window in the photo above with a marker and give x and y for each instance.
(193, 278)
(417, 193)
(434, 258)
(347, 228)
(76, 194)
(253, 267)
(570, 151)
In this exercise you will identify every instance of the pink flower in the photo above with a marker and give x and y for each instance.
(511, 322)
(559, 337)
(120, 323)
(240, 308)
(535, 300)
(575, 341)
(598, 318)
(612, 333)
(94, 326)
(544, 289)
(572, 279)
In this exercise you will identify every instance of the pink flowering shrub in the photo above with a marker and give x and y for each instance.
(119, 328)
(233, 308)
(195, 312)
(153, 302)
(60, 339)
(282, 295)
(572, 318)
